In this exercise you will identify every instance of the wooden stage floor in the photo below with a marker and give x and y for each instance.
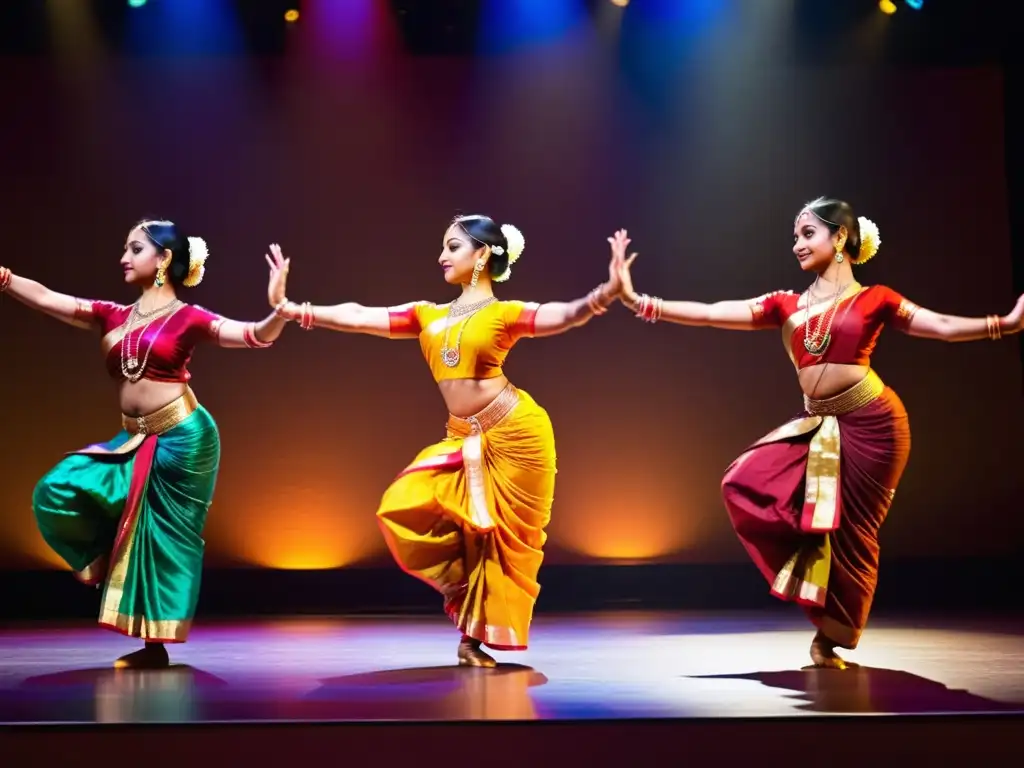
(56, 683)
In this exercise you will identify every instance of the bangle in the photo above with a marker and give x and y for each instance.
(5, 278)
(594, 303)
(250, 339)
(307, 320)
(994, 326)
(648, 308)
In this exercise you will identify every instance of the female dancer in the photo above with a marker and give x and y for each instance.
(129, 513)
(807, 499)
(467, 516)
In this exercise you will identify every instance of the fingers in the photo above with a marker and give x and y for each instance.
(270, 262)
(631, 259)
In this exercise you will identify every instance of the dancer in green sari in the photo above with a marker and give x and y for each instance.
(128, 515)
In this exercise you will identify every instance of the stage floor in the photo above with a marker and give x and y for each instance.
(607, 666)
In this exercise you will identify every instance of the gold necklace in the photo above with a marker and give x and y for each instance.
(817, 342)
(451, 356)
(131, 368)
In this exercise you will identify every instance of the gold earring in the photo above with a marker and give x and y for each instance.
(839, 253)
(476, 274)
(161, 276)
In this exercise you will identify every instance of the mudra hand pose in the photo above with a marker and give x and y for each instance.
(468, 515)
(128, 514)
(807, 500)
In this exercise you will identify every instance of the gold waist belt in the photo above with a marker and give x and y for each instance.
(492, 414)
(860, 394)
(163, 420)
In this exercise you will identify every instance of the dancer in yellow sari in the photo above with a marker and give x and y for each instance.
(468, 515)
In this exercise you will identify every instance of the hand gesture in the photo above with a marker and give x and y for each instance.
(620, 282)
(278, 275)
(1015, 320)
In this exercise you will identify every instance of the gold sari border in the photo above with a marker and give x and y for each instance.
(472, 430)
(804, 577)
(493, 636)
(151, 630)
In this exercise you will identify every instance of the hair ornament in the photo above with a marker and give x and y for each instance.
(197, 255)
(870, 240)
(516, 244)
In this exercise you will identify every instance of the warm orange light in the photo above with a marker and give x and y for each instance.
(25, 548)
(887, 6)
(627, 526)
(291, 16)
(620, 3)
(300, 529)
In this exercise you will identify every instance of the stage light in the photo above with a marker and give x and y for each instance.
(136, 3)
(887, 6)
(915, 4)
(291, 16)
(620, 3)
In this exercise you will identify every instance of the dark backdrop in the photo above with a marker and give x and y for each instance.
(353, 151)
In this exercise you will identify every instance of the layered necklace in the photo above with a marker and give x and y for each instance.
(131, 367)
(816, 341)
(450, 356)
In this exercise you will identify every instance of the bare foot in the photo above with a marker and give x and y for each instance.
(150, 656)
(823, 653)
(470, 654)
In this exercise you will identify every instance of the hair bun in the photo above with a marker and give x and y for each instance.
(870, 240)
(516, 245)
(198, 253)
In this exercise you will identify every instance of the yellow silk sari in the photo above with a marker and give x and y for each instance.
(468, 517)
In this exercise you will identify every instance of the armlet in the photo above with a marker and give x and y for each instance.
(84, 311)
(905, 311)
(214, 324)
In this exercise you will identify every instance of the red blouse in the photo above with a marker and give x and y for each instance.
(164, 343)
(857, 323)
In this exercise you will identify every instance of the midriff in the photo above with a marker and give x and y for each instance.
(467, 397)
(828, 379)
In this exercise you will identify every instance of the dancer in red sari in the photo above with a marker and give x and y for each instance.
(807, 500)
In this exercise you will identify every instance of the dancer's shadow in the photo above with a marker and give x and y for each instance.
(107, 695)
(871, 690)
(431, 693)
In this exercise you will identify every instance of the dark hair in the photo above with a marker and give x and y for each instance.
(165, 236)
(836, 214)
(485, 231)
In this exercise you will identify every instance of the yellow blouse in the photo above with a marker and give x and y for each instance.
(486, 337)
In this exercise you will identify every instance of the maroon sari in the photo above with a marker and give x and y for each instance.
(808, 499)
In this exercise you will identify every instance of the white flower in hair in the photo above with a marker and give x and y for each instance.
(516, 242)
(870, 240)
(197, 255)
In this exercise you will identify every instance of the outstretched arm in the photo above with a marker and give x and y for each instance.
(235, 334)
(556, 317)
(926, 324)
(36, 296)
(348, 318)
(731, 315)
